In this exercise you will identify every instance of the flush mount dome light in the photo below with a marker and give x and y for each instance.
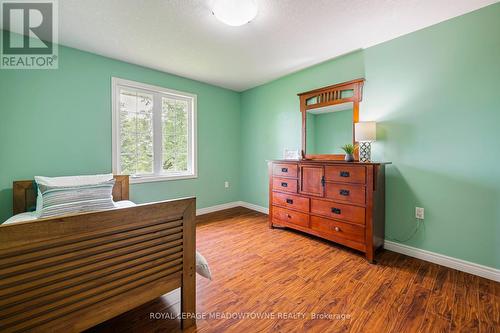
(234, 12)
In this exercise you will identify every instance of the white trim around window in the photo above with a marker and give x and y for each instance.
(157, 93)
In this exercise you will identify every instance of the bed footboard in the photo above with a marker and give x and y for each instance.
(70, 273)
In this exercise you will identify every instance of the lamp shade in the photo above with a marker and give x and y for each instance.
(365, 131)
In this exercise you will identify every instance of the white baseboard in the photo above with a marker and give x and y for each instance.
(216, 208)
(440, 259)
(233, 204)
(257, 208)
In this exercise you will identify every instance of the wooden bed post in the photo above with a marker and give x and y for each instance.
(188, 289)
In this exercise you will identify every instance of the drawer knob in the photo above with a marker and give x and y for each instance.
(284, 184)
(289, 201)
(336, 211)
(344, 192)
(344, 173)
(289, 216)
(284, 169)
(336, 229)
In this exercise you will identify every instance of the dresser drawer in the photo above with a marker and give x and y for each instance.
(291, 216)
(339, 211)
(291, 201)
(285, 184)
(285, 170)
(346, 174)
(338, 229)
(346, 192)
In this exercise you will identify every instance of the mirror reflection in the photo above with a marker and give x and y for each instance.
(329, 128)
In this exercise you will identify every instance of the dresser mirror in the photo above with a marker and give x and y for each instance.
(328, 118)
(329, 128)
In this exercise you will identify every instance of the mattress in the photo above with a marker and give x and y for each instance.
(30, 216)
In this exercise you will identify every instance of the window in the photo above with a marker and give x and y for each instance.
(154, 132)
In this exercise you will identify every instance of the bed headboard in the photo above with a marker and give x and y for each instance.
(24, 193)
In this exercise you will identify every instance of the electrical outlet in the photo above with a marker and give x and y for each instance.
(419, 213)
(226, 184)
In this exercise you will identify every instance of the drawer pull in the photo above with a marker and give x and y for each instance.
(289, 216)
(284, 184)
(336, 229)
(284, 169)
(336, 211)
(344, 192)
(289, 201)
(323, 181)
(344, 174)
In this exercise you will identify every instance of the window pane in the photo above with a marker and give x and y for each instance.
(175, 163)
(175, 119)
(127, 163)
(181, 162)
(136, 132)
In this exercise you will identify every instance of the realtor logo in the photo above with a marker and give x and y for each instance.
(29, 34)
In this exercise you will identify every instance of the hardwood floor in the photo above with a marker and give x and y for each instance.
(259, 271)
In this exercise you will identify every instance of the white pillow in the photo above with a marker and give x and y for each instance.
(73, 180)
(67, 181)
(66, 200)
(202, 266)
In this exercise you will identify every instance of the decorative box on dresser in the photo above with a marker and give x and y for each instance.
(339, 201)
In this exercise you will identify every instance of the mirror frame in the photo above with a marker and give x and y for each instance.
(326, 96)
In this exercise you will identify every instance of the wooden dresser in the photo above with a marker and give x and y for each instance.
(339, 201)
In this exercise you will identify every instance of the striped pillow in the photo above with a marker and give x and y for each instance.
(64, 200)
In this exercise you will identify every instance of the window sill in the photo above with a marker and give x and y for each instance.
(160, 178)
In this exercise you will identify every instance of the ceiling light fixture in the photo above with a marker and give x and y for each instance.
(234, 12)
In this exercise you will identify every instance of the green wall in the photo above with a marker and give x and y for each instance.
(435, 94)
(58, 122)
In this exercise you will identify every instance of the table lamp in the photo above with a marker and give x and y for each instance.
(365, 133)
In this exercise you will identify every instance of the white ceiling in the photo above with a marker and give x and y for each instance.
(182, 36)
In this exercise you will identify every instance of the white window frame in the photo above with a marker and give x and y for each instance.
(158, 92)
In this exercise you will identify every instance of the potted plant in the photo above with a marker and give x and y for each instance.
(349, 152)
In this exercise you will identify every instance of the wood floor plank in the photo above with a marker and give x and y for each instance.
(262, 271)
(441, 300)
(465, 316)
(489, 306)
(433, 323)
(412, 310)
(426, 275)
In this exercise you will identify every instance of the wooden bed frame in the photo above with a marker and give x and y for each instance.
(70, 273)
